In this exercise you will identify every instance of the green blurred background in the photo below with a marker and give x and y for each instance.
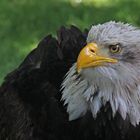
(24, 22)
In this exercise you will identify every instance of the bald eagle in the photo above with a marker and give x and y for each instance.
(78, 86)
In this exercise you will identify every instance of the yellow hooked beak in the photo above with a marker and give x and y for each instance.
(90, 57)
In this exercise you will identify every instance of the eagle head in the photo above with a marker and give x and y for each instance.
(107, 71)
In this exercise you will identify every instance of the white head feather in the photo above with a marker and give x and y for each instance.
(118, 84)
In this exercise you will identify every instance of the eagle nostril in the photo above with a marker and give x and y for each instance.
(92, 50)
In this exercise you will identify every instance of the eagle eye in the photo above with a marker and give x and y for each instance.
(115, 48)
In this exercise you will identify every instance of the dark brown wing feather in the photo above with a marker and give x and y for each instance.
(30, 104)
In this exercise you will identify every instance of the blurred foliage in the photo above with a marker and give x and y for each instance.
(24, 22)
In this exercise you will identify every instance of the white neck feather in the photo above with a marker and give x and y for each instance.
(83, 94)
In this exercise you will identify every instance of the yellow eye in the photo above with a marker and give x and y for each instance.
(115, 48)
